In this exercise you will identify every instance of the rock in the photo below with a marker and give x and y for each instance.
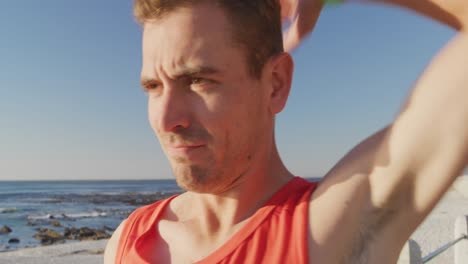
(48, 236)
(127, 198)
(85, 233)
(71, 233)
(55, 223)
(5, 230)
(13, 241)
(31, 223)
(107, 229)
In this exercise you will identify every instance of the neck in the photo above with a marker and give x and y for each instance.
(221, 213)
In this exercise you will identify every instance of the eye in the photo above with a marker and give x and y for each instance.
(196, 80)
(151, 86)
(201, 84)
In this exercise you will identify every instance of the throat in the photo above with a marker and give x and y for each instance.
(219, 214)
(218, 217)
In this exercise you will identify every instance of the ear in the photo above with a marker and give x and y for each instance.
(280, 70)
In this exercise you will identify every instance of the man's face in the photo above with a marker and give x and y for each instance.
(208, 112)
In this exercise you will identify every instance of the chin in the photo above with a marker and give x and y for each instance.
(194, 178)
(191, 178)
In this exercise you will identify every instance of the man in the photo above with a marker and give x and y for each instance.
(216, 76)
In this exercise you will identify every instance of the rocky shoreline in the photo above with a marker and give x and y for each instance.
(59, 228)
(48, 236)
(136, 199)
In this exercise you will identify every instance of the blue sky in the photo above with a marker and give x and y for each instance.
(71, 106)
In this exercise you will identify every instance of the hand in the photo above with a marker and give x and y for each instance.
(302, 14)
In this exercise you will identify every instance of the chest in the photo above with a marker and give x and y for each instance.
(253, 242)
(183, 243)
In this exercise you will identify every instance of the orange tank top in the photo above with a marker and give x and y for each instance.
(276, 233)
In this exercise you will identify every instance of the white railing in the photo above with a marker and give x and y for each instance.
(442, 249)
(411, 253)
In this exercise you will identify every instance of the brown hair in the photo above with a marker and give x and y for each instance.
(256, 24)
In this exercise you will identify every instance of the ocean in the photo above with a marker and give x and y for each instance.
(27, 206)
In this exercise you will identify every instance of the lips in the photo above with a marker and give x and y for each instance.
(185, 146)
(184, 150)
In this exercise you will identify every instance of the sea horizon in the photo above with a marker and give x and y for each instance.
(111, 180)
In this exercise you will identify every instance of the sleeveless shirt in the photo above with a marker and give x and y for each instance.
(276, 233)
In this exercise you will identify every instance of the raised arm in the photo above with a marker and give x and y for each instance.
(419, 156)
(426, 147)
(377, 195)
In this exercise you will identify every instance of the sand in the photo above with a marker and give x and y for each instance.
(89, 252)
(433, 233)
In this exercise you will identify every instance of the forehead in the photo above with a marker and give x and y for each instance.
(199, 34)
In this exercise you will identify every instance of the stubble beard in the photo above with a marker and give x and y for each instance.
(197, 178)
(211, 177)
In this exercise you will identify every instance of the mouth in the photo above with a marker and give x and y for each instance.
(185, 150)
(186, 146)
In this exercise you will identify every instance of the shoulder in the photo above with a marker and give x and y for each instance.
(113, 244)
(138, 219)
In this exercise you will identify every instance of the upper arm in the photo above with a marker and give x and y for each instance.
(112, 245)
(341, 207)
(426, 147)
(371, 193)
(387, 184)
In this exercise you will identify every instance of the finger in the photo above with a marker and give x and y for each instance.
(302, 25)
(299, 29)
(291, 38)
(288, 9)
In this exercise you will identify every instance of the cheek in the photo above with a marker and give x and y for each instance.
(241, 112)
(152, 115)
(214, 111)
(239, 125)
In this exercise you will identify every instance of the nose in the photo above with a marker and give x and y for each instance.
(171, 111)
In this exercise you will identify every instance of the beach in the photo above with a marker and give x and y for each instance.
(433, 233)
(44, 213)
(89, 252)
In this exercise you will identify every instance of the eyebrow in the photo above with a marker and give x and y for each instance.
(185, 72)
